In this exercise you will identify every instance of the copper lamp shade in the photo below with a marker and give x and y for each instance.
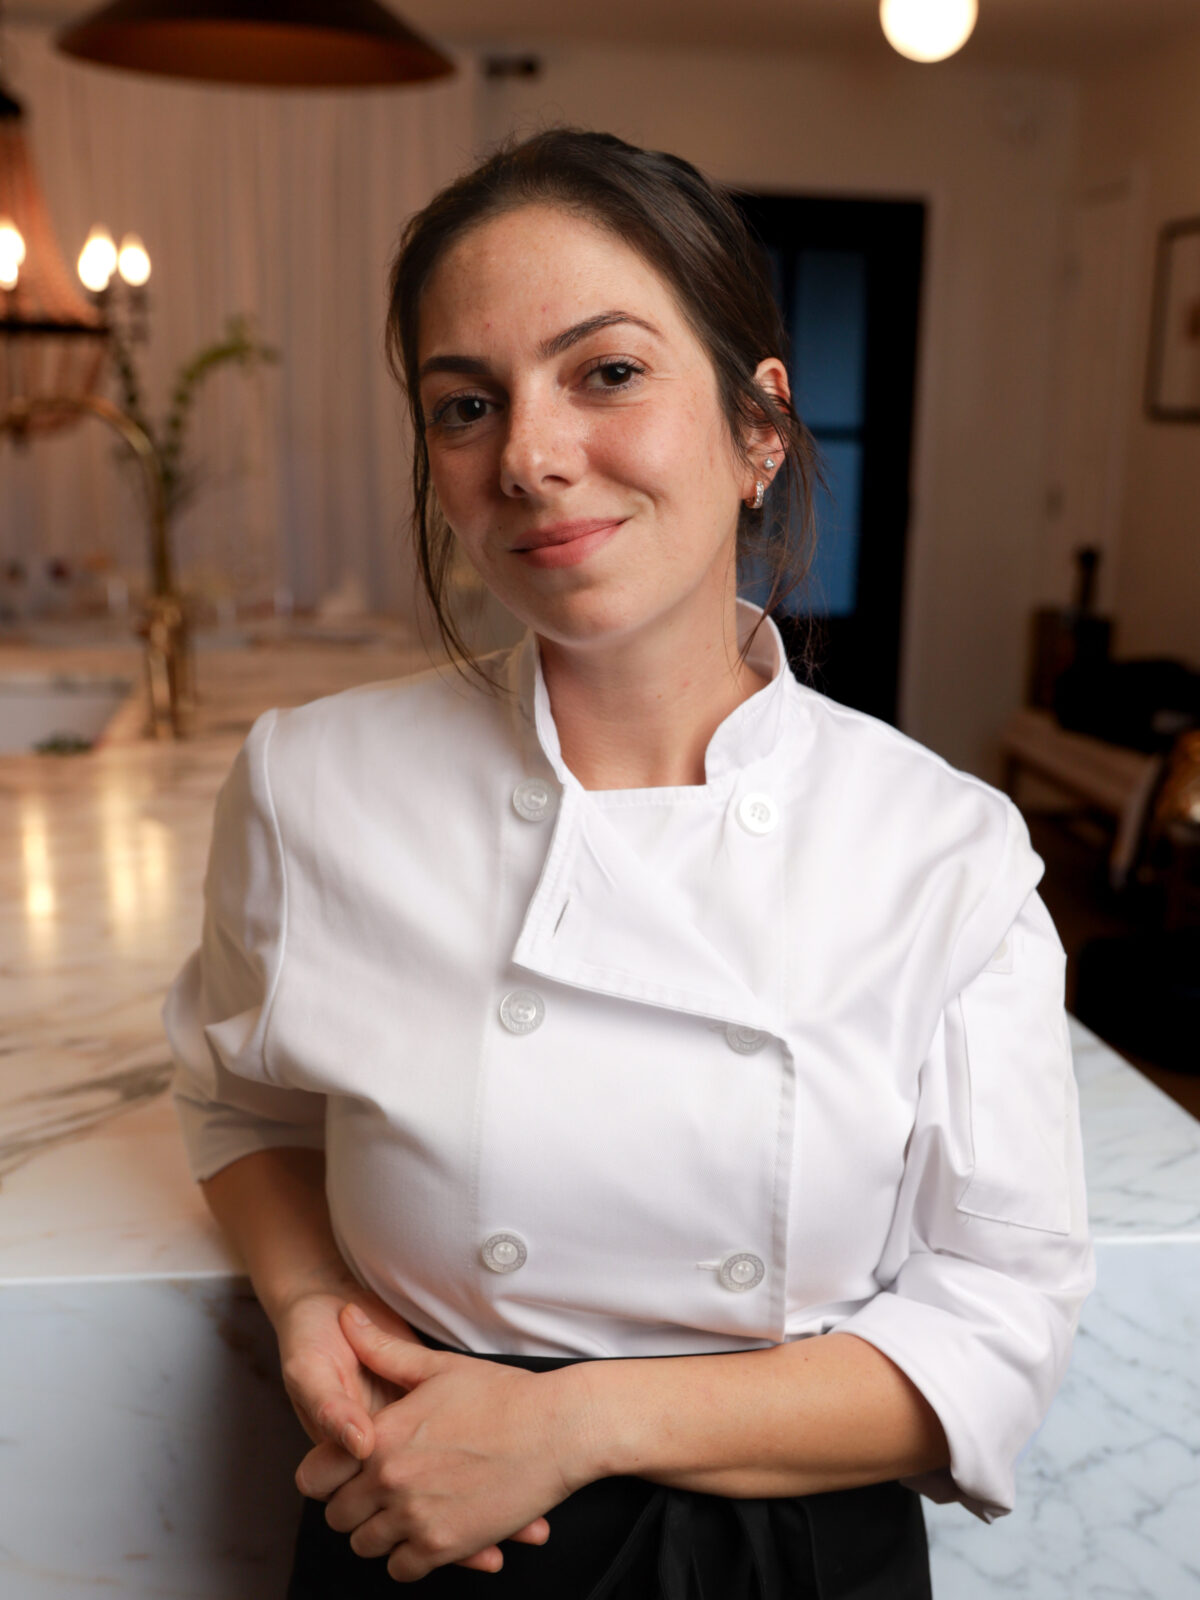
(299, 44)
(52, 340)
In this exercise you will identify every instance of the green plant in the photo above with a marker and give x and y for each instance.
(179, 478)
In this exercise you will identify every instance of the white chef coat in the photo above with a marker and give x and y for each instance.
(654, 1071)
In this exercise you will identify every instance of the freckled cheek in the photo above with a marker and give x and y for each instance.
(461, 483)
(660, 457)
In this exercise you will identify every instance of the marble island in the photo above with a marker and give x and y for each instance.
(149, 1443)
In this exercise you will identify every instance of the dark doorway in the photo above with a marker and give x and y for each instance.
(847, 275)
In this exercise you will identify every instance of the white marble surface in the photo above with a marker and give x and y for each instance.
(1142, 1150)
(122, 1477)
(1108, 1493)
(122, 1312)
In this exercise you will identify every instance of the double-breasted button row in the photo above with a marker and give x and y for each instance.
(535, 800)
(523, 1010)
(507, 1252)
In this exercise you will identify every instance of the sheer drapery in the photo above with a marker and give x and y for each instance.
(283, 205)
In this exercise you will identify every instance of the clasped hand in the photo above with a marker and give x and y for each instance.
(472, 1452)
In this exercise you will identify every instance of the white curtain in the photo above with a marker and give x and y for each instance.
(283, 205)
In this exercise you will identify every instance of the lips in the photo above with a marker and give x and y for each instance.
(566, 544)
(564, 533)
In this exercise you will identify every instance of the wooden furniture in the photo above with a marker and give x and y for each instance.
(1113, 779)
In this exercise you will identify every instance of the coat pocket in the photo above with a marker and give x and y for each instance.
(1018, 1066)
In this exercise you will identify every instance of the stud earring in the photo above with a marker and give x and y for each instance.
(769, 463)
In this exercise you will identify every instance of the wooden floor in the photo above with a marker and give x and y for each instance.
(1078, 897)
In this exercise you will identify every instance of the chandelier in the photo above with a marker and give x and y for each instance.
(52, 340)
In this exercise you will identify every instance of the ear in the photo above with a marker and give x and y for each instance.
(764, 441)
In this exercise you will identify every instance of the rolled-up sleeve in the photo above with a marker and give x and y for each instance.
(217, 1011)
(989, 1258)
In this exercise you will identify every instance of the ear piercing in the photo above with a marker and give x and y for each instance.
(760, 488)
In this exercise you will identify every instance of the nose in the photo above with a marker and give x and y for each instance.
(541, 451)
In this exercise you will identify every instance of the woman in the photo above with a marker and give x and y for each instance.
(634, 1001)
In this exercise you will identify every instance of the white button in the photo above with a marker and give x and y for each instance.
(522, 1011)
(757, 813)
(504, 1252)
(533, 799)
(746, 1041)
(740, 1272)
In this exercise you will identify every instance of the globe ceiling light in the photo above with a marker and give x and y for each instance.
(928, 30)
(279, 43)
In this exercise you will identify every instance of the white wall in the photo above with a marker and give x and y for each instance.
(1141, 118)
(992, 153)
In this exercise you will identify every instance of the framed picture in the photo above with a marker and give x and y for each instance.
(1173, 379)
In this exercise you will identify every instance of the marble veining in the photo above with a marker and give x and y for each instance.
(1142, 1150)
(33, 1122)
(1108, 1493)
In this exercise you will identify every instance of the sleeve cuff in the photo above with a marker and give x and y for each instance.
(941, 1363)
(214, 1135)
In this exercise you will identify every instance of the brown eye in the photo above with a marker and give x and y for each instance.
(615, 374)
(460, 411)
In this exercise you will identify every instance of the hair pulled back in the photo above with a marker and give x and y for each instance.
(693, 235)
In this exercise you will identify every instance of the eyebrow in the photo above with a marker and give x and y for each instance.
(472, 366)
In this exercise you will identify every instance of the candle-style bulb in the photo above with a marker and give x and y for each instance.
(133, 262)
(12, 253)
(97, 260)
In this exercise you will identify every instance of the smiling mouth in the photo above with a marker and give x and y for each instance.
(564, 533)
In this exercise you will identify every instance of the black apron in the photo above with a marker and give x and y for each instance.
(629, 1539)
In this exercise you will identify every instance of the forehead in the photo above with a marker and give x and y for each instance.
(527, 274)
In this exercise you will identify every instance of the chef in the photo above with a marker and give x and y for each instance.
(669, 1061)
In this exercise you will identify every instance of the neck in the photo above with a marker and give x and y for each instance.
(639, 713)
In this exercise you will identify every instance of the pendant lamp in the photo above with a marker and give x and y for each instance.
(928, 30)
(52, 341)
(295, 44)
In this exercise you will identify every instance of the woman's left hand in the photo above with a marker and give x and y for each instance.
(473, 1453)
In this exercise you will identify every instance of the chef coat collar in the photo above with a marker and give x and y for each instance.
(748, 734)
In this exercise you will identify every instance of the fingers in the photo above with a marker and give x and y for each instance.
(399, 1360)
(489, 1560)
(326, 1408)
(325, 1469)
(343, 1422)
(537, 1532)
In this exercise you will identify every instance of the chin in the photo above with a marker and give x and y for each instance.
(579, 618)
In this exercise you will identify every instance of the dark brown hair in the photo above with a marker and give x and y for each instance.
(693, 235)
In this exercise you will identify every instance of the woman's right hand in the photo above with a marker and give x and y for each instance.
(336, 1397)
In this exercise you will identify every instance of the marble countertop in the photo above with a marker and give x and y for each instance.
(100, 895)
